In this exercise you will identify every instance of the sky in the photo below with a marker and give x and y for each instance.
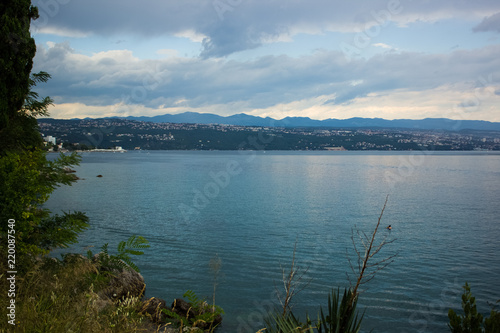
(392, 59)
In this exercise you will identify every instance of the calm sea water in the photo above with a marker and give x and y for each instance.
(250, 208)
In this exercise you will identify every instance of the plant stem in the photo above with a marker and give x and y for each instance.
(367, 256)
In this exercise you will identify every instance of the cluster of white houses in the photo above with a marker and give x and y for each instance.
(49, 139)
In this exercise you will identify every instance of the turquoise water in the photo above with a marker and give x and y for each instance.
(249, 208)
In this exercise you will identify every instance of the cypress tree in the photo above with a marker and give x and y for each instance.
(18, 129)
(27, 177)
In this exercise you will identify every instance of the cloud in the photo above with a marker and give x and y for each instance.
(191, 35)
(225, 27)
(316, 84)
(269, 57)
(62, 32)
(227, 39)
(382, 45)
(490, 23)
(397, 104)
(168, 52)
(402, 103)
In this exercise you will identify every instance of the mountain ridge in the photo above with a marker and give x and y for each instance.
(243, 119)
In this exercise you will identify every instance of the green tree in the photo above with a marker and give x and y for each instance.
(19, 105)
(16, 55)
(472, 321)
(27, 177)
(492, 323)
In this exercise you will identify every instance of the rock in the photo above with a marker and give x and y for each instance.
(74, 258)
(124, 284)
(48, 262)
(185, 309)
(99, 176)
(71, 173)
(153, 307)
(74, 177)
(217, 320)
(181, 308)
(166, 329)
(192, 330)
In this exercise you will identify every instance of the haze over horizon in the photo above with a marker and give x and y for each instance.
(392, 59)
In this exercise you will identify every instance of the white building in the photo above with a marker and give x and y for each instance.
(50, 139)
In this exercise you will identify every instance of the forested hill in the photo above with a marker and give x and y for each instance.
(247, 120)
(132, 134)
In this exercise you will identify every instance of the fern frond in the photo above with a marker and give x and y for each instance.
(131, 264)
(138, 242)
(132, 247)
(134, 252)
(121, 246)
(192, 298)
(104, 249)
(175, 316)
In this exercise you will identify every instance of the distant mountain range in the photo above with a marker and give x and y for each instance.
(247, 120)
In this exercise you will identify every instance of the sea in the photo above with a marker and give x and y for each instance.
(256, 212)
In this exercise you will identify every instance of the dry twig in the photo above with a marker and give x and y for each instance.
(292, 283)
(366, 270)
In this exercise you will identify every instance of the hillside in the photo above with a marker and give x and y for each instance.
(247, 120)
(133, 134)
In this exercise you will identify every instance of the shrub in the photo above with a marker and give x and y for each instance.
(472, 321)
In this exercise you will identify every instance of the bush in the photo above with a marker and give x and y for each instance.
(472, 321)
(27, 179)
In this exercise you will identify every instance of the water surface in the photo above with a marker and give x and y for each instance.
(249, 209)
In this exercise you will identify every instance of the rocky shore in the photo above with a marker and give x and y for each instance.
(124, 283)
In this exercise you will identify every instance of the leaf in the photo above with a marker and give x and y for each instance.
(278, 323)
(192, 298)
(104, 249)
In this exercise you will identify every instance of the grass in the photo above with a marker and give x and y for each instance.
(56, 296)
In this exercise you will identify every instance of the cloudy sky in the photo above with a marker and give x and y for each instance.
(320, 59)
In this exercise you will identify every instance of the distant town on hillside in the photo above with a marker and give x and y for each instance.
(127, 134)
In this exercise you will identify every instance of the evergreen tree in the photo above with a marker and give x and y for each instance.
(18, 103)
(27, 177)
(472, 321)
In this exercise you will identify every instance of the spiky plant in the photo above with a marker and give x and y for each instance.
(342, 315)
